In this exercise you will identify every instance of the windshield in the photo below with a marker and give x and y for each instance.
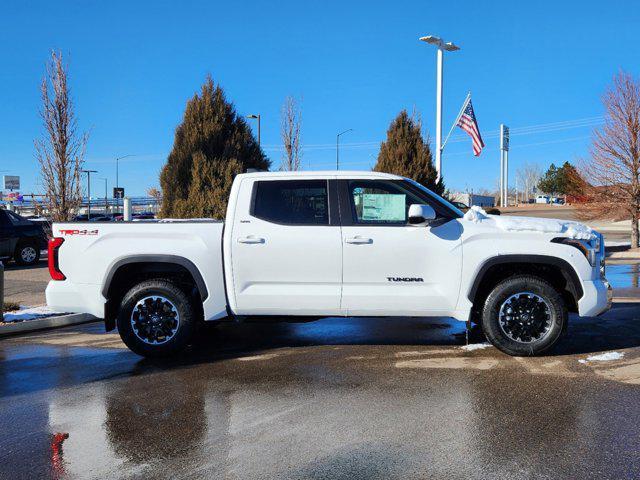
(437, 198)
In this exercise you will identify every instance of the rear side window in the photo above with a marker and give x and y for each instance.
(291, 202)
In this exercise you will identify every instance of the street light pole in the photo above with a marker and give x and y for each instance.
(442, 47)
(258, 118)
(338, 147)
(89, 172)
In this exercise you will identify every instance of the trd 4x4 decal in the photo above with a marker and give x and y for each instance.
(78, 232)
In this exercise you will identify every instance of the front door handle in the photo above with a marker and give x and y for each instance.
(251, 239)
(359, 240)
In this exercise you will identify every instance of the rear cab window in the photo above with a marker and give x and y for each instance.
(291, 202)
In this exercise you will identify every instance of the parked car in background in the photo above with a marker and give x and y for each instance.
(95, 217)
(44, 221)
(542, 199)
(461, 206)
(136, 216)
(143, 216)
(21, 239)
(102, 218)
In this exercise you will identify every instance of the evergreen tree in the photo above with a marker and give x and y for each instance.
(569, 180)
(211, 146)
(549, 182)
(561, 181)
(406, 153)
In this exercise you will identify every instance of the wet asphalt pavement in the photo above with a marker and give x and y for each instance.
(332, 399)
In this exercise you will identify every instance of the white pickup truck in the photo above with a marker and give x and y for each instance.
(319, 244)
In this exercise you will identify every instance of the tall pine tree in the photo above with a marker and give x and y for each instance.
(406, 153)
(211, 146)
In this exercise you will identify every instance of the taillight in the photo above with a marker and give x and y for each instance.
(52, 258)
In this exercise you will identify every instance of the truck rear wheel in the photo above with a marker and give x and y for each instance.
(156, 318)
(524, 316)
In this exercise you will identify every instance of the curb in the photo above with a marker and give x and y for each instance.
(46, 324)
(623, 256)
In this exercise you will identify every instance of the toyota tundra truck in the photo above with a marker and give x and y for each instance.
(307, 245)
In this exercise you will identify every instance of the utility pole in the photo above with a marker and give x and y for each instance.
(258, 118)
(89, 172)
(442, 47)
(338, 147)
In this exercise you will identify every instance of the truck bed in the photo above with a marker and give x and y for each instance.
(92, 251)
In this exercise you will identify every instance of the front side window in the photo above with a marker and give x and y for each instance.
(291, 202)
(379, 202)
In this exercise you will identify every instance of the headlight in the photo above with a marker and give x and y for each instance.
(588, 249)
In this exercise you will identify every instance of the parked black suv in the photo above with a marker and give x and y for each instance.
(20, 238)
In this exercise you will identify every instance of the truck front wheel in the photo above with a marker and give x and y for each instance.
(156, 318)
(524, 315)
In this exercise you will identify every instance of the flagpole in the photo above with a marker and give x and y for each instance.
(464, 105)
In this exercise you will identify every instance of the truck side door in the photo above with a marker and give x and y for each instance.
(389, 266)
(286, 249)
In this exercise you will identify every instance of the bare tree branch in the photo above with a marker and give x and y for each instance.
(290, 126)
(528, 176)
(612, 174)
(61, 149)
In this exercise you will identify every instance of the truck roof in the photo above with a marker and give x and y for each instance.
(324, 174)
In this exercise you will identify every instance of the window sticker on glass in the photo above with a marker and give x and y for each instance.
(383, 207)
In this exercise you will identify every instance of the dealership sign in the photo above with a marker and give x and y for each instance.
(11, 182)
(14, 197)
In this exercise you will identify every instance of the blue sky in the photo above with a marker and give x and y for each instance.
(133, 65)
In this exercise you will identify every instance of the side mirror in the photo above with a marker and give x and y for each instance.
(421, 214)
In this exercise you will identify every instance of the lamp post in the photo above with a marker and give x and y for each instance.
(258, 118)
(117, 182)
(338, 147)
(442, 47)
(89, 172)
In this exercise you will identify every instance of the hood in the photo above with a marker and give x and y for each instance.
(507, 223)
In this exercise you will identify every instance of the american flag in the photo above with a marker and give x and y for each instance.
(469, 124)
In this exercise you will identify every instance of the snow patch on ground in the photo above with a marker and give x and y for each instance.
(603, 357)
(530, 224)
(611, 243)
(28, 313)
(475, 346)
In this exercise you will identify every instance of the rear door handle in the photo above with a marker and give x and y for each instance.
(251, 239)
(359, 240)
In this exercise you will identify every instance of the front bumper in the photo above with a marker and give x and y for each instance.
(596, 299)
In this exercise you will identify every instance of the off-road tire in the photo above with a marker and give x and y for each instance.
(176, 296)
(557, 310)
